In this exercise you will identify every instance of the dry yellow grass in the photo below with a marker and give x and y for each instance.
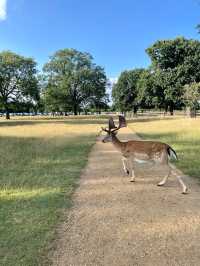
(40, 162)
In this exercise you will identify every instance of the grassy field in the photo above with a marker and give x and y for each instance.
(181, 134)
(40, 163)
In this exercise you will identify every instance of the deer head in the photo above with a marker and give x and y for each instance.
(112, 129)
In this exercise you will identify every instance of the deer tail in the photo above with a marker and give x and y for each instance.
(171, 152)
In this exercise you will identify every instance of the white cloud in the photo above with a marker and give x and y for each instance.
(3, 4)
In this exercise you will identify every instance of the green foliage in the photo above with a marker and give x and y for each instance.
(175, 63)
(147, 90)
(125, 91)
(192, 95)
(73, 81)
(18, 81)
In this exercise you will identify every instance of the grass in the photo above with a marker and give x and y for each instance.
(40, 163)
(181, 134)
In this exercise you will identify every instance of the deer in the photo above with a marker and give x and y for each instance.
(142, 151)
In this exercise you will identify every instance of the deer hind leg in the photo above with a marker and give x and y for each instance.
(164, 162)
(177, 173)
(124, 160)
(162, 183)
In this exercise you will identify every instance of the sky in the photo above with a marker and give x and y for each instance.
(115, 32)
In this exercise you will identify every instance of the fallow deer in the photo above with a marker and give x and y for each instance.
(142, 151)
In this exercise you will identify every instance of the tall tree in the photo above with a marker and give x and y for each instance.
(175, 63)
(148, 92)
(73, 79)
(125, 91)
(18, 81)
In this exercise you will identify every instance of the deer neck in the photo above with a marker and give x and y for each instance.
(116, 142)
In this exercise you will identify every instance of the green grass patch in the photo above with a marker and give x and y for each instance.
(40, 163)
(182, 134)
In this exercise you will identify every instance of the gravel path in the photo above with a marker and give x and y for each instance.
(115, 222)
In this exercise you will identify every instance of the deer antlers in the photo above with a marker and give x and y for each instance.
(111, 125)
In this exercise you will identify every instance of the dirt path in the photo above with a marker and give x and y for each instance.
(115, 222)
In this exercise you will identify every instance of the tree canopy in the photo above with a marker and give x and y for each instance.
(175, 63)
(18, 81)
(125, 91)
(73, 81)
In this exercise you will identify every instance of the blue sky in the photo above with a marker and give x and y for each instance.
(115, 32)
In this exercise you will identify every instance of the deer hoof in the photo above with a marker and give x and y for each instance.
(185, 191)
(127, 171)
(160, 184)
(132, 180)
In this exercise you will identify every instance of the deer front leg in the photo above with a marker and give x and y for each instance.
(124, 165)
(132, 170)
(164, 162)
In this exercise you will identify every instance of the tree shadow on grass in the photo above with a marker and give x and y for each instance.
(67, 122)
(149, 119)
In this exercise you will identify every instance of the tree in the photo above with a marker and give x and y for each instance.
(125, 91)
(192, 97)
(73, 80)
(99, 103)
(169, 89)
(55, 100)
(148, 93)
(175, 63)
(18, 81)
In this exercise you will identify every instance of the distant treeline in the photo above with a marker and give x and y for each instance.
(69, 83)
(170, 82)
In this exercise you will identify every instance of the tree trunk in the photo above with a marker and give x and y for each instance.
(171, 108)
(7, 112)
(166, 108)
(135, 108)
(75, 109)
